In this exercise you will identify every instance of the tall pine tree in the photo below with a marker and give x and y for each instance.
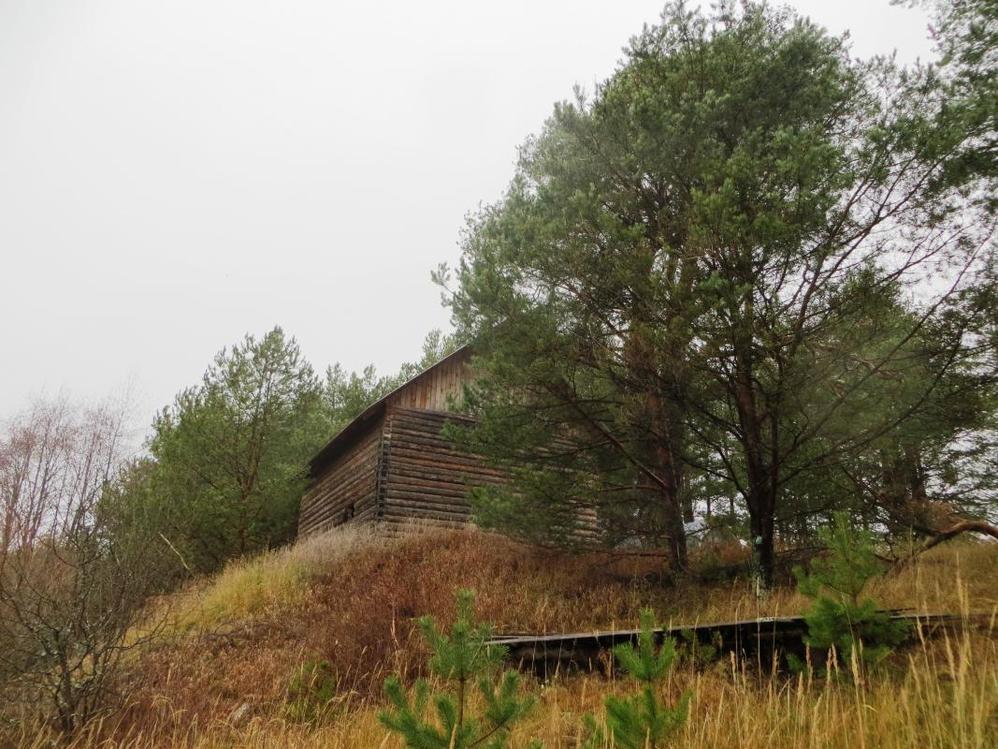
(677, 258)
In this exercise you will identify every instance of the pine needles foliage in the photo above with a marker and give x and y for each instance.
(461, 658)
(311, 692)
(642, 721)
(841, 618)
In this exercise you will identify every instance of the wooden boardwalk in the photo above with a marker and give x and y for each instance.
(765, 641)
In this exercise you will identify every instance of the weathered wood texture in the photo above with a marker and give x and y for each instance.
(438, 388)
(393, 465)
(425, 476)
(347, 488)
(765, 641)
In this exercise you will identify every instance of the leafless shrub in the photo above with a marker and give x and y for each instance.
(71, 589)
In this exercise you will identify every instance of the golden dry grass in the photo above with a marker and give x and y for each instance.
(351, 598)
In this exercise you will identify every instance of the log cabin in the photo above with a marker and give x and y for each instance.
(392, 464)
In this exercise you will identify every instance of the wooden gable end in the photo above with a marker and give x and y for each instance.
(351, 478)
(439, 388)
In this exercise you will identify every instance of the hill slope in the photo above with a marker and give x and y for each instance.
(234, 644)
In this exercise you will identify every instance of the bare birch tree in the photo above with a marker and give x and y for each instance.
(71, 590)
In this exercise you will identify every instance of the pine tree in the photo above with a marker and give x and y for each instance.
(642, 721)
(673, 272)
(840, 617)
(463, 657)
(229, 452)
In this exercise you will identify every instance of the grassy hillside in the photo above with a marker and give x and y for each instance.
(232, 646)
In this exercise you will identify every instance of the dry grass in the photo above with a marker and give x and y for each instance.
(350, 598)
(268, 584)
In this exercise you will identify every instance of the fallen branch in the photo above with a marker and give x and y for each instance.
(964, 526)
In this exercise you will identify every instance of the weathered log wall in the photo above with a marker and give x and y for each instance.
(425, 477)
(347, 488)
(393, 465)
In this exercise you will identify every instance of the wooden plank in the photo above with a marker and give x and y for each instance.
(766, 640)
(345, 481)
(431, 414)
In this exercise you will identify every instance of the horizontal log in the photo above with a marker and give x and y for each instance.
(406, 524)
(417, 457)
(354, 490)
(348, 470)
(444, 504)
(433, 473)
(332, 512)
(426, 477)
(351, 483)
(349, 480)
(419, 511)
(438, 445)
(456, 498)
(406, 436)
(368, 515)
(370, 512)
(401, 411)
(398, 504)
(456, 481)
(425, 513)
(441, 472)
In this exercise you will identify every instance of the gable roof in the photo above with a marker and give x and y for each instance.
(343, 439)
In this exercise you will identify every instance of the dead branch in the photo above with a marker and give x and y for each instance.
(964, 526)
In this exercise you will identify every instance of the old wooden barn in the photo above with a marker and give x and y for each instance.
(392, 464)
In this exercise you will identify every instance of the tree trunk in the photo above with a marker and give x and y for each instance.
(762, 527)
(660, 430)
(761, 474)
(676, 531)
(669, 467)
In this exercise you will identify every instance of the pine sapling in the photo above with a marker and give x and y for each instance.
(463, 659)
(311, 692)
(641, 721)
(841, 618)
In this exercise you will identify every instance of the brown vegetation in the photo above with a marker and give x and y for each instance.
(350, 598)
(70, 591)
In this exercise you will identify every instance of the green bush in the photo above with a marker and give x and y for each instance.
(462, 658)
(840, 617)
(642, 721)
(697, 654)
(311, 692)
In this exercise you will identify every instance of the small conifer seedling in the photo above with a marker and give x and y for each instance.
(841, 618)
(642, 721)
(461, 659)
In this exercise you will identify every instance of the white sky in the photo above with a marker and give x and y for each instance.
(176, 174)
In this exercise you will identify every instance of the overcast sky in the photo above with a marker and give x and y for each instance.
(176, 174)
